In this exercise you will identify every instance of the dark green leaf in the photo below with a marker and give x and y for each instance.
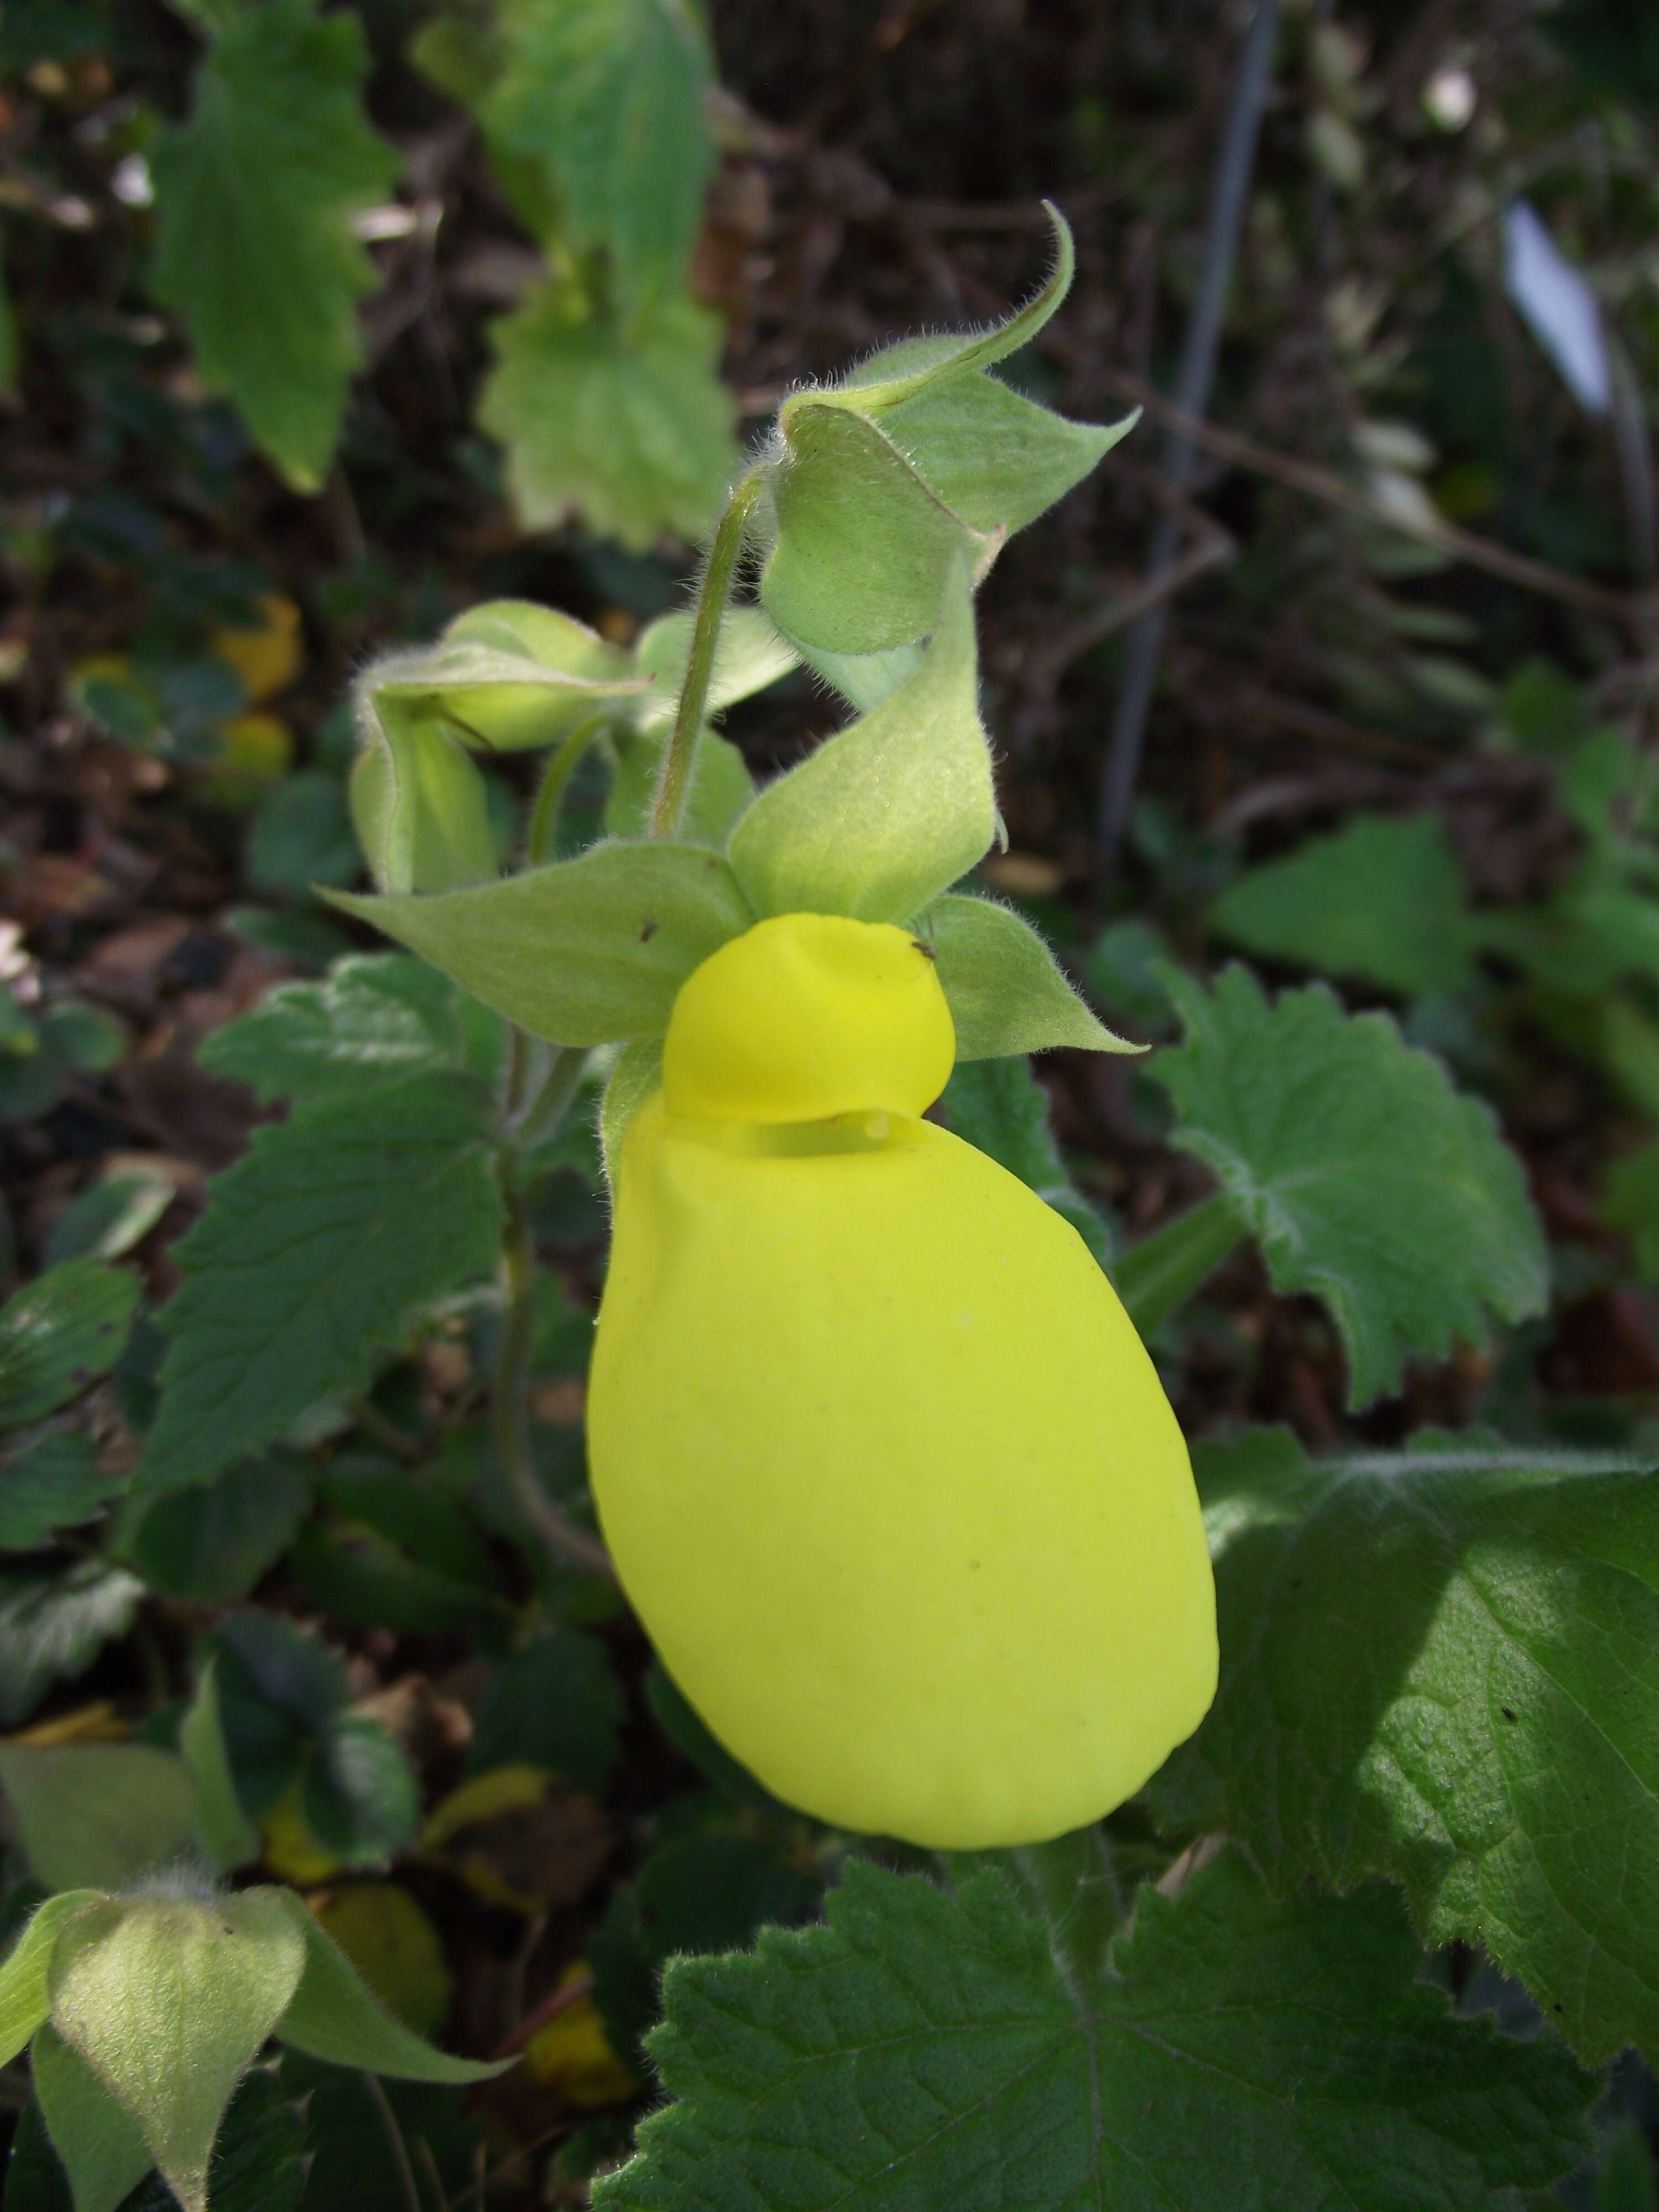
(1230, 2055)
(63, 1332)
(109, 1217)
(361, 1797)
(1364, 1176)
(51, 1482)
(1439, 1668)
(53, 1627)
(556, 1705)
(316, 1256)
(374, 1017)
(302, 836)
(213, 1544)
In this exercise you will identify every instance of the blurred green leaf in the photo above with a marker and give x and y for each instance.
(53, 1627)
(109, 1217)
(302, 836)
(61, 1333)
(333, 2015)
(253, 248)
(556, 1705)
(51, 1481)
(632, 432)
(97, 1815)
(611, 96)
(999, 1107)
(102, 2148)
(212, 1543)
(224, 1831)
(1381, 899)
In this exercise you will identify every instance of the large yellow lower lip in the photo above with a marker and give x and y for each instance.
(892, 1483)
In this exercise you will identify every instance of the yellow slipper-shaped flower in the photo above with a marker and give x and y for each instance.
(884, 1467)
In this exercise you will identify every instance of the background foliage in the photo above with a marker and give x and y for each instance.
(324, 322)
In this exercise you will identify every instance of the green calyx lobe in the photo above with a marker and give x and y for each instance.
(876, 824)
(876, 484)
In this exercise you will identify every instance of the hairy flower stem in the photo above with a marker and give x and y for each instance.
(668, 808)
(528, 1119)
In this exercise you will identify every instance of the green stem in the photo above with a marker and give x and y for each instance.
(527, 1121)
(1156, 1278)
(668, 808)
(550, 797)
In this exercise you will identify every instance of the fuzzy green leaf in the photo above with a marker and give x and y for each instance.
(1381, 899)
(169, 2002)
(1439, 1667)
(97, 1815)
(66, 1328)
(24, 1999)
(316, 1254)
(224, 1831)
(1364, 1176)
(53, 1627)
(611, 95)
(633, 432)
(1006, 992)
(333, 2015)
(103, 2150)
(1228, 2054)
(254, 246)
(583, 951)
(888, 813)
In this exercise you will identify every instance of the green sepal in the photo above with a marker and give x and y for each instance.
(505, 676)
(901, 372)
(24, 1997)
(333, 2015)
(582, 951)
(97, 1815)
(887, 814)
(866, 678)
(877, 481)
(722, 791)
(752, 653)
(860, 544)
(1004, 991)
(101, 2147)
(169, 2000)
(418, 804)
(637, 1074)
(223, 1829)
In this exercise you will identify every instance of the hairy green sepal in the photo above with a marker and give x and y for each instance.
(582, 951)
(878, 483)
(1006, 992)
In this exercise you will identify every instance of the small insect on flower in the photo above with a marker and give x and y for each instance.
(884, 1467)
